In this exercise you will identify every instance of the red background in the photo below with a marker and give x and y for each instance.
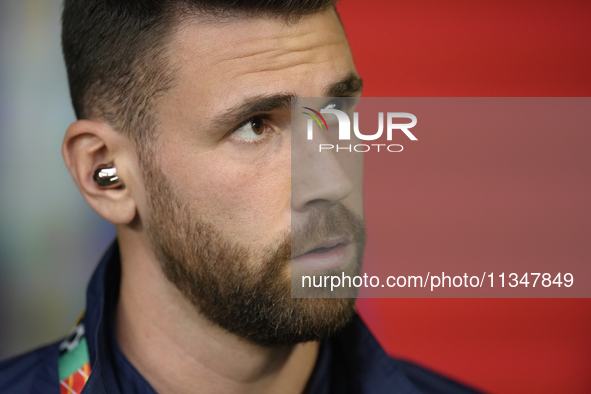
(475, 49)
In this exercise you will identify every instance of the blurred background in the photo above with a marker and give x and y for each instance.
(50, 240)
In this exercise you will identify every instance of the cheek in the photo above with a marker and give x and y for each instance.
(247, 202)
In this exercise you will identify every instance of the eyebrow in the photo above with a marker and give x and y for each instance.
(252, 105)
(348, 86)
(351, 84)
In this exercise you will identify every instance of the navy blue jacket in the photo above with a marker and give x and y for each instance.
(351, 362)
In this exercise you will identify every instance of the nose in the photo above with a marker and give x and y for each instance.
(319, 177)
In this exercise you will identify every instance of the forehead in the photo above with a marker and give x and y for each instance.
(223, 61)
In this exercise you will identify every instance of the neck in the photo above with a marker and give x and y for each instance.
(177, 349)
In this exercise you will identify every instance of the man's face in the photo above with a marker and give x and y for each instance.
(224, 202)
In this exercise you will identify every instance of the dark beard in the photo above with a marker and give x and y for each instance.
(242, 289)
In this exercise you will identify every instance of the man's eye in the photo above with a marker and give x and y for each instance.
(252, 128)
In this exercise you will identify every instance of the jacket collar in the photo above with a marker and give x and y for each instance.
(103, 282)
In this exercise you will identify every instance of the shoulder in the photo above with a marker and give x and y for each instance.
(33, 372)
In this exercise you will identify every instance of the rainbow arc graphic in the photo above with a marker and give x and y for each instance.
(315, 117)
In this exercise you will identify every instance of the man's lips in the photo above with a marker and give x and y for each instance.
(325, 246)
(328, 254)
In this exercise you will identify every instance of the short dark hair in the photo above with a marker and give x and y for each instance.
(115, 50)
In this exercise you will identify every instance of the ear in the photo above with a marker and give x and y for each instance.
(89, 144)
